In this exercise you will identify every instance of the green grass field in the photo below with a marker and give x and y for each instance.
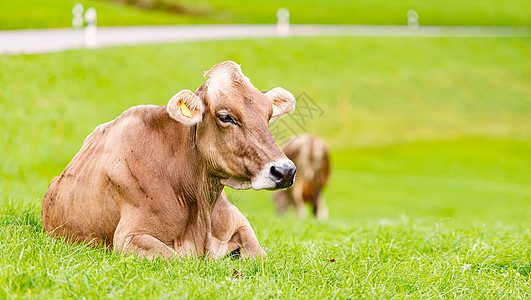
(429, 197)
(24, 14)
(57, 13)
(453, 12)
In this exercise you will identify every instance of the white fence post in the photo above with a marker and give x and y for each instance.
(412, 19)
(283, 22)
(77, 13)
(90, 30)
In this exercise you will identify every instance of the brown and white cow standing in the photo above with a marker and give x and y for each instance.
(151, 181)
(310, 155)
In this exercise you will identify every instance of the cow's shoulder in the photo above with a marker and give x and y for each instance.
(139, 115)
(134, 119)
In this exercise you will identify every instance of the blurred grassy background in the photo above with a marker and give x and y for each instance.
(428, 127)
(430, 137)
(57, 13)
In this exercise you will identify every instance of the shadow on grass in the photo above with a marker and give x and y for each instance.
(522, 268)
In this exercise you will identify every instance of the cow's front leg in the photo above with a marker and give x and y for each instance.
(143, 245)
(128, 239)
(232, 231)
(245, 240)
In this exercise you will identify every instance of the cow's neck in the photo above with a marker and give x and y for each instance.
(206, 187)
(191, 178)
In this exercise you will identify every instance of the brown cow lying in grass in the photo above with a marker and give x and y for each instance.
(310, 155)
(151, 181)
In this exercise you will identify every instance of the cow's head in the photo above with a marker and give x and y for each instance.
(233, 136)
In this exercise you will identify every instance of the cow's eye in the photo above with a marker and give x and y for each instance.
(225, 118)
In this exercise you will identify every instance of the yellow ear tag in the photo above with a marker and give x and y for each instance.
(275, 110)
(185, 111)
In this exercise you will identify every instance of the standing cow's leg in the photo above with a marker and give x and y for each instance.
(298, 199)
(320, 208)
(282, 201)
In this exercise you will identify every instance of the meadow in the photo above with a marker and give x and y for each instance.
(430, 191)
(21, 14)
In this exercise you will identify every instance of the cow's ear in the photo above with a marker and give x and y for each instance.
(283, 102)
(186, 107)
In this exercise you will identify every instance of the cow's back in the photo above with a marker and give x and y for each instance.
(82, 203)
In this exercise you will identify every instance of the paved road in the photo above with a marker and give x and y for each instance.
(53, 40)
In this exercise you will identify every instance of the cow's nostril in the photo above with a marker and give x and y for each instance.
(282, 174)
(276, 174)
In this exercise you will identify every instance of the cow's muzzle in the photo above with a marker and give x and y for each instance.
(283, 174)
(275, 175)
